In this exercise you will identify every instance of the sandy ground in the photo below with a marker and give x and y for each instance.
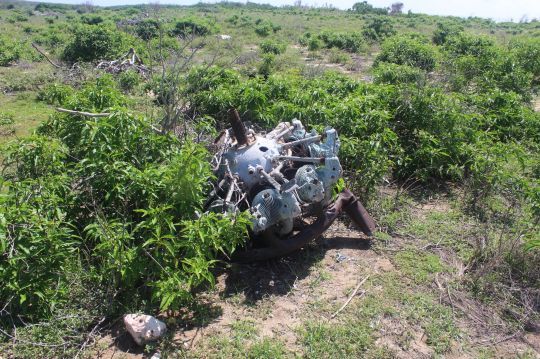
(279, 295)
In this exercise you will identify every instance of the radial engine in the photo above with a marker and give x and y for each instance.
(281, 176)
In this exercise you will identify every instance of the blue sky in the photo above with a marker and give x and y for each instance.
(501, 10)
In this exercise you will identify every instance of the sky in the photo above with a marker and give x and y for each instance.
(499, 10)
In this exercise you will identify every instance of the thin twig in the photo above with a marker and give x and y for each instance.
(90, 336)
(350, 297)
(82, 113)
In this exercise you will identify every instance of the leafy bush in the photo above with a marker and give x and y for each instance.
(336, 56)
(112, 195)
(378, 29)
(55, 93)
(505, 117)
(267, 64)
(445, 30)
(53, 38)
(387, 73)
(9, 52)
(352, 42)
(265, 28)
(91, 43)
(314, 44)
(6, 124)
(272, 47)
(91, 19)
(476, 64)
(466, 44)
(403, 50)
(128, 80)
(432, 129)
(527, 53)
(148, 29)
(192, 26)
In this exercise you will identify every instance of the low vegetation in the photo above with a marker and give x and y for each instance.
(101, 215)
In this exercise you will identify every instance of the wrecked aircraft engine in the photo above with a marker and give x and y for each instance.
(281, 177)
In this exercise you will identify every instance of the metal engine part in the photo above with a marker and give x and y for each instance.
(278, 176)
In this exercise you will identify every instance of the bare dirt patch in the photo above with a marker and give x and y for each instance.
(279, 296)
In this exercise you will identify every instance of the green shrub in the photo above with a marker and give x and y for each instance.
(314, 44)
(113, 196)
(505, 117)
(263, 29)
(272, 47)
(352, 42)
(9, 52)
(192, 26)
(337, 56)
(445, 30)
(388, 73)
(267, 64)
(129, 80)
(403, 50)
(527, 53)
(432, 129)
(95, 42)
(6, 119)
(476, 64)
(52, 38)
(55, 93)
(378, 29)
(6, 124)
(148, 29)
(91, 19)
(466, 44)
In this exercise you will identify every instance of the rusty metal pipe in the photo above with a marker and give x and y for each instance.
(346, 201)
(238, 127)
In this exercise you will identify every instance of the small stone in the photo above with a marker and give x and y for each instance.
(144, 328)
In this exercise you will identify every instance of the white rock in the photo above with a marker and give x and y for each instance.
(144, 328)
(224, 37)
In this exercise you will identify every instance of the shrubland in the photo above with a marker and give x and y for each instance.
(9, 52)
(109, 205)
(95, 42)
(101, 215)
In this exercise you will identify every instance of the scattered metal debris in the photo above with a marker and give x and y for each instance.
(281, 177)
(340, 257)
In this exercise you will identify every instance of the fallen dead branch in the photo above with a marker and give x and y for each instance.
(91, 114)
(350, 297)
(83, 113)
(45, 56)
(129, 61)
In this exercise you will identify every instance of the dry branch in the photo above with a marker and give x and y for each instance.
(45, 56)
(128, 61)
(82, 113)
(350, 297)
